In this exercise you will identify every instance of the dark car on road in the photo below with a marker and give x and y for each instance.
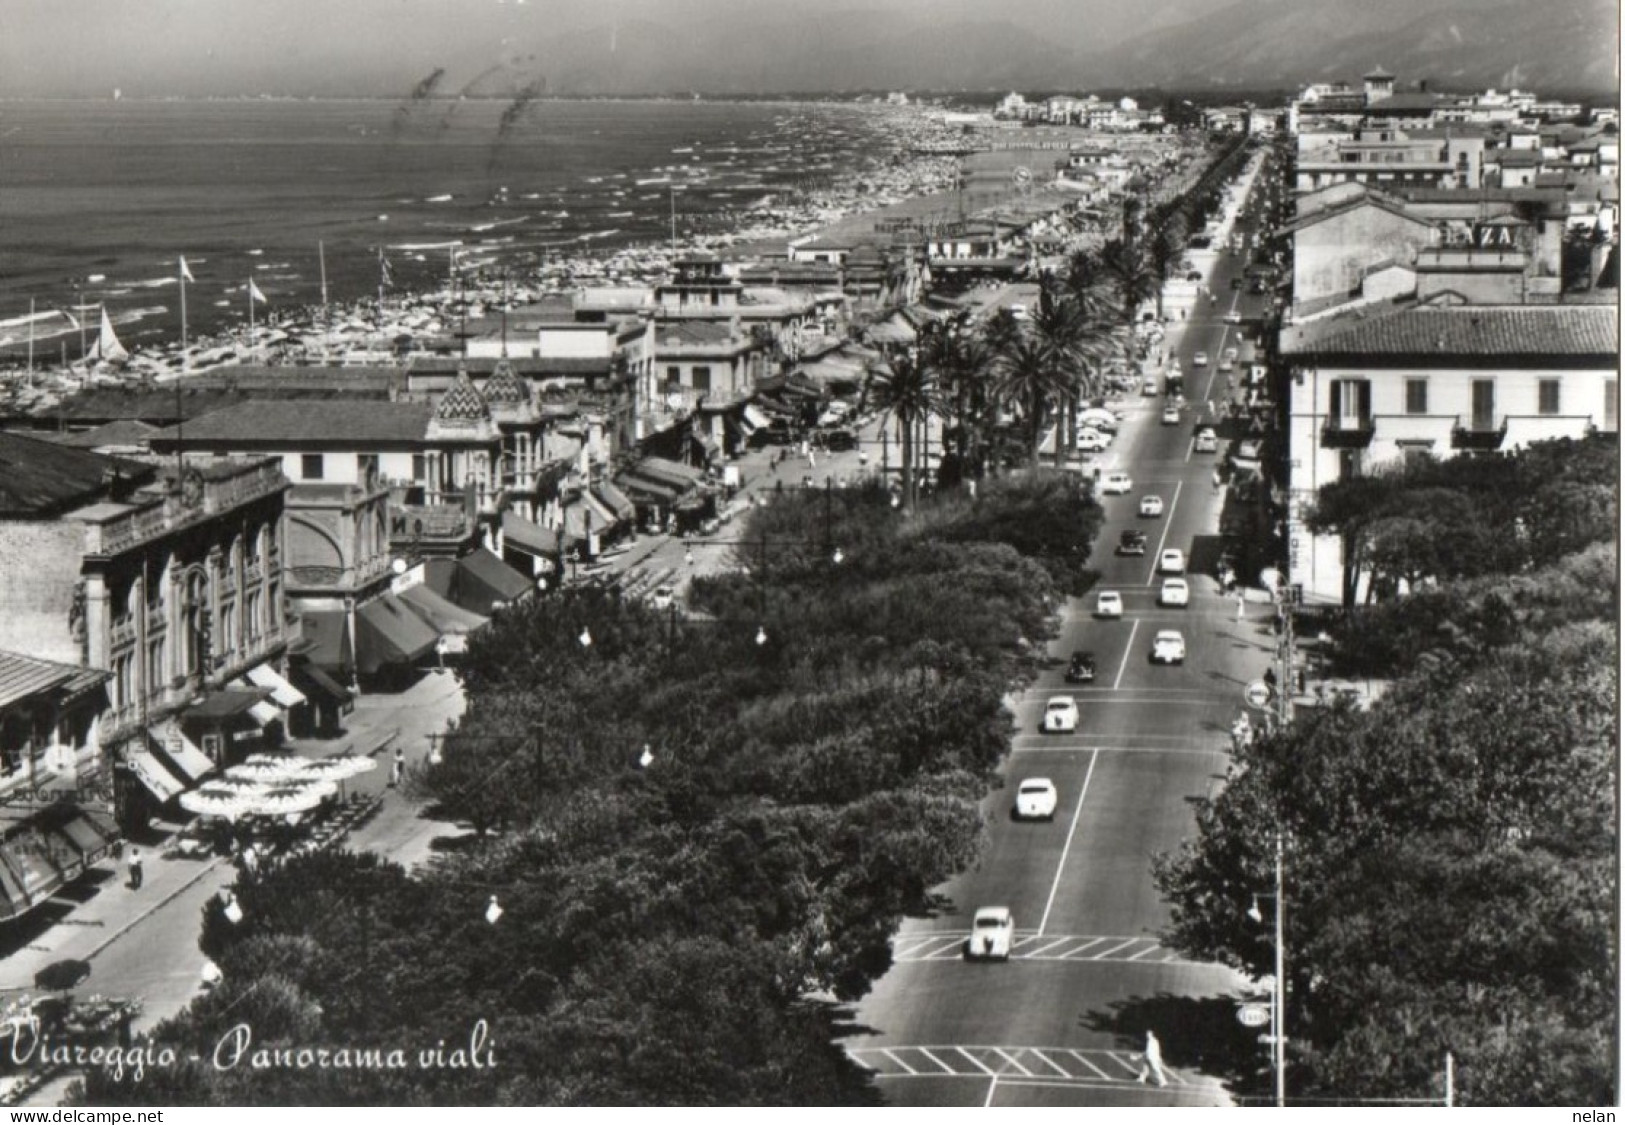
(840, 441)
(1081, 670)
(1131, 543)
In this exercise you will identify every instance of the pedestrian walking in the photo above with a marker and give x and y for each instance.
(1241, 605)
(398, 769)
(812, 459)
(135, 869)
(1218, 482)
(1152, 1061)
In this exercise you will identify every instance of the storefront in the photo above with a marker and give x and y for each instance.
(231, 724)
(43, 848)
(478, 582)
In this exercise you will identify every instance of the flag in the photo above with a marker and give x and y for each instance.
(186, 274)
(384, 277)
(254, 293)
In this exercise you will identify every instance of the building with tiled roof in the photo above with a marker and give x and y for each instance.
(1379, 386)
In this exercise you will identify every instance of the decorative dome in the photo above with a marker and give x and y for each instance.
(463, 401)
(504, 387)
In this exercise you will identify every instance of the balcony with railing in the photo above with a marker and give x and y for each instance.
(1349, 431)
(1415, 427)
(1479, 434)
(1524, 429)
(226, 487)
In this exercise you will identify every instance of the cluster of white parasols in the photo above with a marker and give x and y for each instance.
(273, 785)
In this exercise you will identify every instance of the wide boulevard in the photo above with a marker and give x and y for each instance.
(1063, 1020)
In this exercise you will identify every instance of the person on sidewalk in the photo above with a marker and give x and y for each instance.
(135, 869)
(397, 772)
(1241, 606)
(1152, 1066)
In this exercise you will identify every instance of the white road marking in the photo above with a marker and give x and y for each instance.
(898, 1061)
(1144, 951)
(1089, 1064)
(1132, 1069)
(1167, 526)
(976, 1062)
(1009, 1058)
(1039, 952)
(1123, 667)
(1060, 867)
(946, 1069)
(992, 1088)
(1051, 1063)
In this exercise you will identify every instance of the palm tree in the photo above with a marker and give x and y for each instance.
(960, 360)
(1030, 379)
(904, 390)
(1133, 272)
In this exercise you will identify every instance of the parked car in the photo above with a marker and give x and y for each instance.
(1175, 591)
(1168, 647)
(1199, 359)
(1081, 668)
(1108, 603)
(1151, 386)
(1061, 715)
(1098, 418)
(1206, 441)
(1131, 543)
(1227, 361)
(1116, 484)
(662, 598)
(1036, 799)
(1172, 561)
(1232, 317)
(1170, 415)
(1091, 440)
(991, 933)
(1151, 506)
(840, 441)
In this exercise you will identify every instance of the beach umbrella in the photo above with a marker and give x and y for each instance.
(261, 771)
(216, 803)
(341, 768)
(285, 802)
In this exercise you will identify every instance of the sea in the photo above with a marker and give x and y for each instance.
(99, 199)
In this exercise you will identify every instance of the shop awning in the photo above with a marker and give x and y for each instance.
(159, 781)
(228, 704)
(528, 536)
(193, 763)
(754, 416)
(442, 615)
(615, 500)
(388, 633)
(483, 580)
(321, 683)
(91, 834)
(283, 693)
(327, 640)
(264, 713)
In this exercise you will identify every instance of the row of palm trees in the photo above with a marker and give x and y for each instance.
(1041, 368)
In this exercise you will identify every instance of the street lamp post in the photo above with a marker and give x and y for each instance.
(1278, 992)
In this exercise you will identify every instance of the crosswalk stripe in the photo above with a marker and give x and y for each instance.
(976, 1062)
(1089, 1064)
(1011, 1060)
(1126, 1066)
(1114, 949)
(1144, 951)
(946, 1069)
(1040, 951)
(1051, 1063)
(898, 1061)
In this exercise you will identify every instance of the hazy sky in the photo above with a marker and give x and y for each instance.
(155, 47)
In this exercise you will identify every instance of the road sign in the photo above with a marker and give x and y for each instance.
(1258, 694)
(1253, 1015)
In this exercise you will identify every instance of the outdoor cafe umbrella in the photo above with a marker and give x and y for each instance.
(263, 770)
(291, 798)
(218, 799)
(335, 769)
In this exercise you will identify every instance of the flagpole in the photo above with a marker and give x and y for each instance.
(185, 364)
(673, 193)
(31, 342)
(79, 297)
(251, 316)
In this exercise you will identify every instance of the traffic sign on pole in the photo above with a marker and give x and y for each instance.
(1258, 694)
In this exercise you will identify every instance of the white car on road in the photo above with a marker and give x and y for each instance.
(1172, 561)
(1199, 359)
(1151, 505)
(1206, 441)
(991, 933)
(1091, 440)
(1117, 484)
(1109, 603)
(1170, 415)
(1175, 591)
(1168, 647)
(1036, 799)
(1061, 715)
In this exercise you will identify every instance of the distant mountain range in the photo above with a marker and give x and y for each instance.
(1550, 45)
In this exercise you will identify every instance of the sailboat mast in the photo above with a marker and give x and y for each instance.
(31, 341)
(80, 301)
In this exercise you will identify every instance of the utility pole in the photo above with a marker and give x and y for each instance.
(1284, 685)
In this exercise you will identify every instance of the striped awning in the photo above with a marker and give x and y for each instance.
(158, 780)
(284, 693)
